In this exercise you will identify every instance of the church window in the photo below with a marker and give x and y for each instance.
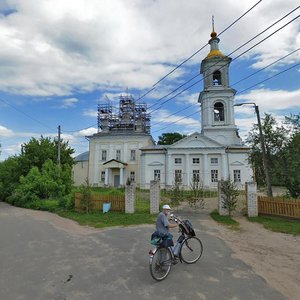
(156, 174)
(237, 175)
(214, 175)
(219, 111)
(196, 161)
(104, 155)
(214, 160)
(217, 78)
(118, 155)
(132, 154)
(178, 160)
(102, 176)
(196, 175)
(132, 176)
(178, 176)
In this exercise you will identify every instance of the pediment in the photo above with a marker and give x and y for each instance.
(114, 163)
(196, 140)
(156, 163)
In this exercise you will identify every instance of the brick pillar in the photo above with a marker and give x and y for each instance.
(222, 211)
(251, 197)
(154, 196)
(129, 198)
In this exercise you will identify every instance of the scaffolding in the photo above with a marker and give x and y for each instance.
(131, 116)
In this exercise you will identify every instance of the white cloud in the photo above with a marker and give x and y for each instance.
(271, 100)
(90, 113)
(187, 123)
(70, 102)
(79, 45)
(87, 132)
(5, 132)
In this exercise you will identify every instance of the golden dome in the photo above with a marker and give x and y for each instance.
(215, 52)
(213, 34)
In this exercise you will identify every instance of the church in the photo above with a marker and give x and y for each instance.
(123, 150)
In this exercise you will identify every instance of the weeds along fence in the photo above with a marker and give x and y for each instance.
(142, 200)
(279, 207)
(96, 202)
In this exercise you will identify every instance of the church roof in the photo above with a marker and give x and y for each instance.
(83, 156)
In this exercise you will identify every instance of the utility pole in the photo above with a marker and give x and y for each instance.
(58, 150)
(263, 149)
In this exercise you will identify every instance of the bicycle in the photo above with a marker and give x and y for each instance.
(188, 249)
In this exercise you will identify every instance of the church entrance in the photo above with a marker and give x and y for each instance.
(116, 180)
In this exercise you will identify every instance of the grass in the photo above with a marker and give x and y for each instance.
(278, 224)
(226, 220)
(112, 218)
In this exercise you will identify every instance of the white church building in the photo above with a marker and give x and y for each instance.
(123, 149)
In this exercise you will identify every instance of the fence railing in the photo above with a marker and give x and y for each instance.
(279, 206)
(97, 201)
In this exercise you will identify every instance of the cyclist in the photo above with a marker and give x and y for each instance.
(162, 223)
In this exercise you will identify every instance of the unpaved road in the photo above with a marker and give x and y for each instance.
(43, 256)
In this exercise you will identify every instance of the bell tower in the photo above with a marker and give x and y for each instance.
(216, 99)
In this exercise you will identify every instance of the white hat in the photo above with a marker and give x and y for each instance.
(166, 206)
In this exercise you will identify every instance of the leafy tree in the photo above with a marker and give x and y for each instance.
(37, 151)
(288, 166)
(10, 173)
(170, 138)
(230, 193)
(45, 184)
(275, 139)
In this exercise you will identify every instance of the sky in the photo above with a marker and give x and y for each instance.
(60, 59)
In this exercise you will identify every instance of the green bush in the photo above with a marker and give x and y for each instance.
(51, 182)
(67, 202)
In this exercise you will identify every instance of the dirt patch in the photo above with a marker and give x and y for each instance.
(273, 256)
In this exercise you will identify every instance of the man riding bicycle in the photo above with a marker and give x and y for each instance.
(163, 225)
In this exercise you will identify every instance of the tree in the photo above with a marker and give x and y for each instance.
(275, 139)
(48, 183)
(230, 193)
(37, 151)
(10, 172)
(170, 138)
(288, 166)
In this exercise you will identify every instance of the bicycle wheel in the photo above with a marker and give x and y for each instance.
(191, 250)
(160, 264)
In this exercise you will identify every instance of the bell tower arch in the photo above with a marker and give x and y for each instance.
(216, 99)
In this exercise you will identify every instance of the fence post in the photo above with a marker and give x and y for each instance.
(221, 197)
(129, 198)
(251, 197)
(154, 196)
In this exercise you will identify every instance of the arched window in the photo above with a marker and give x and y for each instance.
(217, 78)
(219, 111)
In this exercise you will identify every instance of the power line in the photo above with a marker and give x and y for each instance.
(191, 56)
(269, 65)
(27, 115)
(181, 110)
(236, 56)
(275, 75)
(269, 78)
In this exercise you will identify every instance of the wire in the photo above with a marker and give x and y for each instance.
(269, 78)
(294, 66)
(27, 115)
(181, 110)
(271, 64)
(191, 56)
(233, 58)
